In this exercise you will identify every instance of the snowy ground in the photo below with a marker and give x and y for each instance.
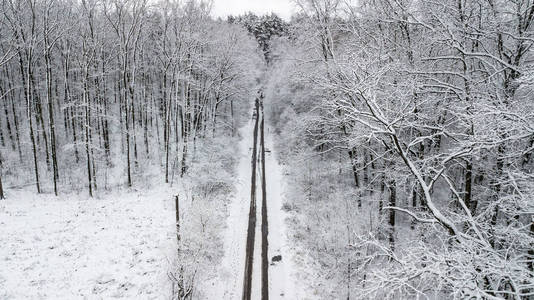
(281, 274)
(228, 284)
(123, 245)
(119, 246)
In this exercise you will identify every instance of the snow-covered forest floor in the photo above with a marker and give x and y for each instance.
(121, 245)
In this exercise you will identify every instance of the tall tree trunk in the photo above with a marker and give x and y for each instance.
(166, 126)
(127, 120)
(39, 118)
(87, 131)
(73, 112)
(13, 109)
(28, 94)
(50, 110)
(4, 95)
(186, 128)
(4, 98)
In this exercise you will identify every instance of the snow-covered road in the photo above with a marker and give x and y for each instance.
(229, 282)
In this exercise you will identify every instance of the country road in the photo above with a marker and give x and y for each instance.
(242, 220)
(271, 239)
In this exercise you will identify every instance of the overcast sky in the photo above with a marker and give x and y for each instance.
(223, 8)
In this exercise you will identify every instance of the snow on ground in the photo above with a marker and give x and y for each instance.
(123, 245)
(282, 275)
(118, 246)
(228, 283)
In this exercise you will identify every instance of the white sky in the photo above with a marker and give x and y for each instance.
(223, 8)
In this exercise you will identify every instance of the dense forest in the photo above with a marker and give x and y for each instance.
(94, 87)
(401, 134)
(407, 127)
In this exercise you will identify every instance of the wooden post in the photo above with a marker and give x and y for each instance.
(177, 205)
(180, 280)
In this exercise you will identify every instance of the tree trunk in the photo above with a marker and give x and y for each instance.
(365, 173)
(2, 196)
(87, 130)
(391, 221)
(13, 110)
(4, 94)
(26, 82)
(468, 188)
(51, 112)
(39, 118)
(127, 121)
(166, 106)
(2, 140)
(352, 156)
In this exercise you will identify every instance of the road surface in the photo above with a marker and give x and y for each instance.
(229, 283)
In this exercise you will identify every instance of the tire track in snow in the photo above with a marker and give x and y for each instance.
(229, 283)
